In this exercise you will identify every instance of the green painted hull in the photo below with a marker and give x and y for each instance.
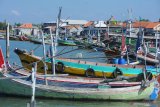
(66, 42)
(23, 88)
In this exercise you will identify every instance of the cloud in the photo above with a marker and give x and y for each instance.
(15, 12)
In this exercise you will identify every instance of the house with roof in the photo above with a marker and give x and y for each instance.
(95, 28)
(69, 27)
(26, 29)
(152, 27)
(72, 30)
(149, 28)
(49, 25)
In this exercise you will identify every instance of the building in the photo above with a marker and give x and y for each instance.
(94, 28)
(72, 22)
(26, 29)
(67, 27)
(72, 30)
(149, 28)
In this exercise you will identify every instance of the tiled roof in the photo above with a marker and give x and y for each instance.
(26, 25)
(152, 25)
(143, 24)
(140, 24)
(88, 24)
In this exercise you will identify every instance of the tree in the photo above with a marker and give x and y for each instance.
(17, 24)
(145, 20)
(2, 26)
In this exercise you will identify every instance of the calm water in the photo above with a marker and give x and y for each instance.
(28, 46)
(22, 102)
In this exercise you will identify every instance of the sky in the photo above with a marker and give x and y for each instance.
(40, 11)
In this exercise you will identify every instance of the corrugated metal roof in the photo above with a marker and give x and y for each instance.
(75, 22)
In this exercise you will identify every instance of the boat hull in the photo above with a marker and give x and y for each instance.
(79, 67)
(21, 87)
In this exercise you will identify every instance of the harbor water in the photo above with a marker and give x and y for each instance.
(12, 101)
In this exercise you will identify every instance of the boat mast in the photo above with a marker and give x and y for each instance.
(53, 47)
(156, 35)
(7, 42)
(44, 56)
(57, 27)
(89, 39)
(130, 25)
(99, 35)
(52, 53)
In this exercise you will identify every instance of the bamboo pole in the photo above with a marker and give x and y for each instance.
(44, 56)
(53, 54)
(7, 43)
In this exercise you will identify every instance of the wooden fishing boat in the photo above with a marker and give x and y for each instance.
(21, 87)
(79, 67)
(13, 84)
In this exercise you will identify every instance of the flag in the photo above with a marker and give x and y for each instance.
(123, 45)
(2, 63)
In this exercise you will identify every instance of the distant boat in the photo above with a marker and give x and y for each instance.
(38, 40)
(66, 42)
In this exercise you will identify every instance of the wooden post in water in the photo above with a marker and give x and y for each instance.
(44, 56)
(7, 42)
(34, 70)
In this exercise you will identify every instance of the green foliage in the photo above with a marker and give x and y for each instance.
(17, 24)
(2, 26)
(145, 20)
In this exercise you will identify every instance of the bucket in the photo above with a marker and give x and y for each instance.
(121, 61)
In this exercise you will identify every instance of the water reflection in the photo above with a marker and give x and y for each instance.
(22, 102)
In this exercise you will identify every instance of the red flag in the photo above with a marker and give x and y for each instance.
(123, 45)
(1, 59)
